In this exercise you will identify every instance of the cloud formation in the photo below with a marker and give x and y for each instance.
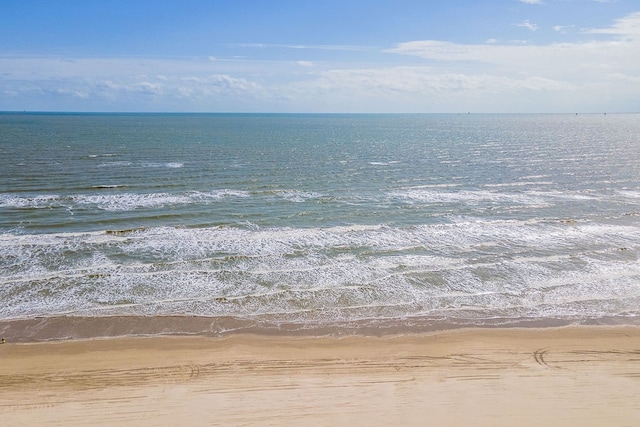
(602, 72)
(528, 25)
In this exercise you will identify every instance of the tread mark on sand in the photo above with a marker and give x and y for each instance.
(538, 356)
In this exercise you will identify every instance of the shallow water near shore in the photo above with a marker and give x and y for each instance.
(314, 222)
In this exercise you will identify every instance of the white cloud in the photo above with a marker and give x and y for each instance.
(122, 83)
(528, 25)
(305, 47)
(411, 88)
(600, 69)
(627, 28)
(600, 73)
(426, 80)
(619, 52)
(532, 1)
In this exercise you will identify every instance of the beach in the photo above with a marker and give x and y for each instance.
(576, 375)
(319, 269)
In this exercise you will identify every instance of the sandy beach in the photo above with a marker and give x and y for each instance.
(588, 376)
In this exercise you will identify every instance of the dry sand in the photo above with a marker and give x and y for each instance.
(573, 376)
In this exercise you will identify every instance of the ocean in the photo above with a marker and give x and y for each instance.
(322, 222)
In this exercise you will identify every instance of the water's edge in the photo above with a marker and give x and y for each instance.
(42, 329)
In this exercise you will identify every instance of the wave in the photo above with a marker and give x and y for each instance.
(125, 163)
(519, 184)
(169, 165)
(109, 186)
(297, 196)
(131, 201)
(468, 267)
(392, 162)
(424, 195)
(630, 194)
(115, 164)
(116, 201)
(31, 202)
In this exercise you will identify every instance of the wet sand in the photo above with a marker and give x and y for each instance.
(588, 376)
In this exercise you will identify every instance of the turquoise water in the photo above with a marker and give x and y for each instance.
(321, 219)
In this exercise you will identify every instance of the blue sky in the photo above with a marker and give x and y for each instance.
(320, 56)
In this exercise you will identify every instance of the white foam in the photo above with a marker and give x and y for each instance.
(132, 201)
(217, 194)
(447, 185)
(564, 195)
(519, 184)
(36, 201)
(467, 196)
(534, 176)
(154, 165)
(630, 194)
(347, 271)
(297, 196)
(170, 165)
(115, 164)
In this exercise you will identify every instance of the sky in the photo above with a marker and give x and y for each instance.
(342, 56)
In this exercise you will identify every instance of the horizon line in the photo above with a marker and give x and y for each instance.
(72, 112)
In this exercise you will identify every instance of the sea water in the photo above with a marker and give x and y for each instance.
(321, 220)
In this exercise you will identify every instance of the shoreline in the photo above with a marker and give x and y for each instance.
(65, 328)
(573, 375)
